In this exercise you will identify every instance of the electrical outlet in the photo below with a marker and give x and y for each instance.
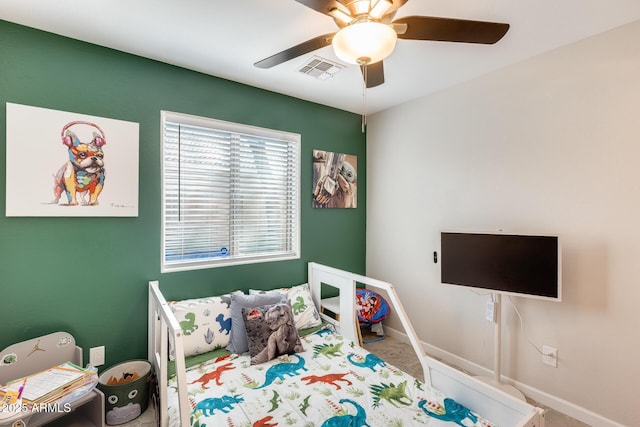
(96, 356)
(550, 356)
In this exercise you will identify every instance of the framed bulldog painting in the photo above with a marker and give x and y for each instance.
(69, 164)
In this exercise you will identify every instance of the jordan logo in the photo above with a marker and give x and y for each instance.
(36, 348)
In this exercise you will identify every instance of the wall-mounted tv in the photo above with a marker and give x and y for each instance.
(514, 264)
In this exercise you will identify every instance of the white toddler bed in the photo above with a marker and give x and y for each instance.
(333, 382)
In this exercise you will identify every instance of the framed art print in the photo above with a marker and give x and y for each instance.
(335, 180)
(70, 164)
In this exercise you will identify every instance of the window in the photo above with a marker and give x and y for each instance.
(230, 193)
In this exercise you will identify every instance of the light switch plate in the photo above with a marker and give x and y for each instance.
(96, 356)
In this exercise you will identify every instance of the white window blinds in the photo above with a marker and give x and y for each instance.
(230, 193)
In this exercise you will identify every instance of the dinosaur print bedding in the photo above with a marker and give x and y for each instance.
(332, 383)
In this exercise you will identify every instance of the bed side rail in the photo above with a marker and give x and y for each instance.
(163, 327)
(493, 403)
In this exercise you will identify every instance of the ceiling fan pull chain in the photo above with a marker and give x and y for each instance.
(364, 97)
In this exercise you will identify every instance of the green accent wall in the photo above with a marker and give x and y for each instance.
(88, 276)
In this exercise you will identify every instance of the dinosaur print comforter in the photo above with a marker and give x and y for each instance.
(332, 383)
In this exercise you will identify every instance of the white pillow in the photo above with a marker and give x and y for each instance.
(305, 313)
(205, 323)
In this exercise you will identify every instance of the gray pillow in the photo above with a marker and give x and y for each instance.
(238, 341)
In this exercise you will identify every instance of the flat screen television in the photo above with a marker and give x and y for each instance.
(514, 264)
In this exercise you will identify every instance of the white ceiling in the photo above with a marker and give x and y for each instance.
(225, 37)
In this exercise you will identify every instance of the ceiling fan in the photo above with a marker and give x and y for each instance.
(368, 33)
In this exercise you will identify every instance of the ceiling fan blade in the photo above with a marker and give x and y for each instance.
(451, 30)
(322, 6)
(374, 74)
(295, 51)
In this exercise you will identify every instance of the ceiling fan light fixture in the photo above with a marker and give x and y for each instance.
(359, 7)
(364, 42)
(340, 15)
(380, 8)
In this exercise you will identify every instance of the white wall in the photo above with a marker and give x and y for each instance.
(550, 145)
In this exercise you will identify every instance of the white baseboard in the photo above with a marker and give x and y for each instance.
(560, 405)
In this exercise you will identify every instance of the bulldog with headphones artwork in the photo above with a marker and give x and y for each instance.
(81, 178)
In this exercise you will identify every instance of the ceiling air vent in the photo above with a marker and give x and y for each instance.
(320, 68)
